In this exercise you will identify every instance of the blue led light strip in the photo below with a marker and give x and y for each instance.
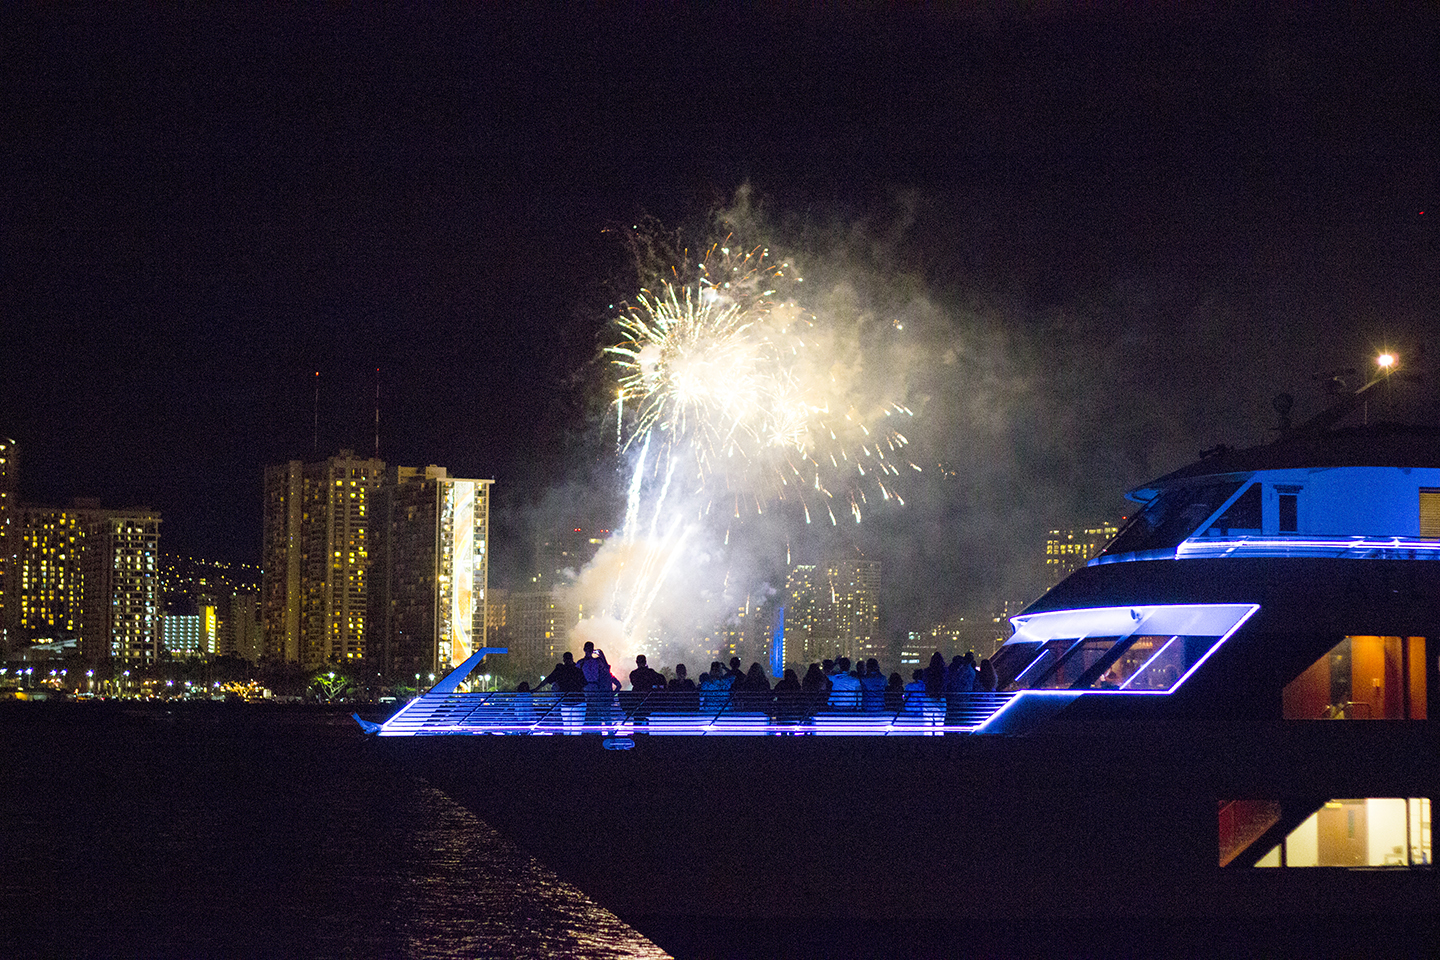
(670, 714)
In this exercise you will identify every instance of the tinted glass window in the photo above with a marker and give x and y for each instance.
(1171, 517)
(1012, 658)
(1165, 668)
(1050, 653)
(1138, 650)
(1081, 658)
(1289, 513)
(1242, 516)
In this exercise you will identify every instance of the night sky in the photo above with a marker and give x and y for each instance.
(1112, 237)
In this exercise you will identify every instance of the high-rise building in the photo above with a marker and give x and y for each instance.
(224, 596)
(9, 453)
(749, 633)
(563, 554)
(120, 568)
(430, 535)
(832, 610)
(46, 584)
(86, 577)
(180, 634)
(316, 558)
(538, 621)
(980, 635)
(1067, 550)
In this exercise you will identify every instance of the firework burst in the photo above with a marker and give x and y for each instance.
(723, 369)
(733, 398)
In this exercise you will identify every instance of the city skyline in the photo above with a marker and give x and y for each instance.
(1110, 239)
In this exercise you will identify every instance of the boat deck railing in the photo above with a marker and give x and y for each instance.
(674, 713)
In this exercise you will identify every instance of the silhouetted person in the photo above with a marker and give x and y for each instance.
(566, 676)
(960, 676)
(522, 705)
(844, 689)
(590, 667)
(755, 680)
(599, 697)
(681, 683)
(736, 675)
(935, 674)
(935, 690)
(644, 678)
(915, 694)
(568, 679)
(894, 694)
(715, 688)
(872, 687)
(985, 680)
(789, 698)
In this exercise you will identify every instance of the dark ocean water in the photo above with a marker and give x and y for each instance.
(257, 831)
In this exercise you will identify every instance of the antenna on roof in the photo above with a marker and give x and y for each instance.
(1386, 364)
(315, 442)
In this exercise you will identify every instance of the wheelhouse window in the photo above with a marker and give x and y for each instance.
(1361, 678)
(1136, 653)
(1243, 516)
(1171, 517)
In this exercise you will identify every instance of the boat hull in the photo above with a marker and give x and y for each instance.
(1102, 820)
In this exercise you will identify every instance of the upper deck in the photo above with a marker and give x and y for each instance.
(1363, 493)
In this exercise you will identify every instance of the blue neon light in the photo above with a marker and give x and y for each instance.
(777, 644)
(1340, 548)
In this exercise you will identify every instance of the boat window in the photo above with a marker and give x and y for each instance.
(1171, 517)
(1084, 655)
(1289, 509)
(1163, 670)
(1134, 653)
(1242, 516)
(1429, 512)
(1370, 832)
(1050, 653)
(1361, 678)
(1012, 658)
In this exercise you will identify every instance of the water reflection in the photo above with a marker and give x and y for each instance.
(258, 833)
(467, 892)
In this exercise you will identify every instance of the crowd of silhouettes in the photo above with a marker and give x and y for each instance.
(830, 685)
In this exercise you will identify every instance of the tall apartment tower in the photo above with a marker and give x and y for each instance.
(832, 610)
(1067, 550)
(8, 482)
(538, 621)
(316, 557)
(428, 599)
(120, 568)
(46, 584)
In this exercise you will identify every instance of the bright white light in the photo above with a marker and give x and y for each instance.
(1386, 360)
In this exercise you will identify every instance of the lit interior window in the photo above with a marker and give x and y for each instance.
(1369, 832)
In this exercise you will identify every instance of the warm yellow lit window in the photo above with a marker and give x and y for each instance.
(1362, 678)
(1429, 512)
